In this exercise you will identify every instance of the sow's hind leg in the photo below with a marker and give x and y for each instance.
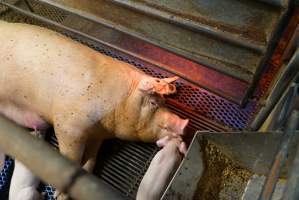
(90, 154)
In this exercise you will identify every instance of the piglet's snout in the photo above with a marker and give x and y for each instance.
(176, 142)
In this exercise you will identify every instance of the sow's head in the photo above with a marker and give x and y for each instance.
(147, 113)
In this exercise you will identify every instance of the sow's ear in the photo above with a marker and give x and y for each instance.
(159, 86)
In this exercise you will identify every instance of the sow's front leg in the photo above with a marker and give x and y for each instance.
(71, 142)
(79, 140)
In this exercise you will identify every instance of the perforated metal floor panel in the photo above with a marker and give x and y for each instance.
(5, 177)
(122, 164)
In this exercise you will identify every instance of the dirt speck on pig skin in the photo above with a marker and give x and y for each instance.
(222, 179)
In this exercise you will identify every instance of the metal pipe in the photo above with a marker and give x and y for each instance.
(202, 57)
(58, 25)
(214, 32)
(50, 166)
(28, 5)
(290, 72)
(282, 112)
(291, 192)
(280, 158)
(287, 24)
(279, 3)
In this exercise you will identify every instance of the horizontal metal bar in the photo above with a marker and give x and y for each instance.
(48, 164)
(122, 162)
(44, 19)
(279, 3)
(213, 60)
(223, 35)
(121, 174)
(144, 148)
(111, 182)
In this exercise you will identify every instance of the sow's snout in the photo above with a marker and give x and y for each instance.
(170, 123)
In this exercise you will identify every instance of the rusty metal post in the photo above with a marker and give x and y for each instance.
(28, 5)
(280, 158)
(291, 191)
(50, 166)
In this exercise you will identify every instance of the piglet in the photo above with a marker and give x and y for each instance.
(162, 168)
(24, 183)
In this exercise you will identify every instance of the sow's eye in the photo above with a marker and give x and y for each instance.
(153, 103)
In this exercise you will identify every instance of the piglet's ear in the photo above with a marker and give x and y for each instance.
(159, 86)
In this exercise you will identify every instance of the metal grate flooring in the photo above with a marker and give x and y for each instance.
(122, 164)
(5, 177)
(115, 168)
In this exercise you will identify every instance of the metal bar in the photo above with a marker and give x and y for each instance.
(43, 19)
(277, 56)
(291, 192)
(211, 60)
(280, 158)
(48, 164)
(28, 5)
(108, 180)
(290, 72)
(279, 3)
(223, 35)
(282, 111)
